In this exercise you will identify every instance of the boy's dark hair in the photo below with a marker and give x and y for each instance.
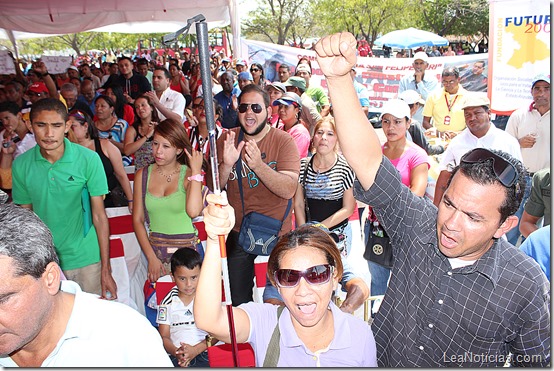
(187, 257)
(10, 107)
(49, 104)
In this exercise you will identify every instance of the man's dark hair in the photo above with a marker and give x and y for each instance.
(10, 107)
(165, 71)
(123, 57)
(187, 257)
(483, 173)
(253, 88)
(142, 61)
(48, 104)
(285, 66)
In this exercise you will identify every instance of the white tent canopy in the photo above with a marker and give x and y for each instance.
(55, 17)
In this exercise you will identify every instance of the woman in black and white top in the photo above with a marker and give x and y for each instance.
(325, 192)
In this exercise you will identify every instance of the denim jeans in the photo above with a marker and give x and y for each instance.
(513, 234)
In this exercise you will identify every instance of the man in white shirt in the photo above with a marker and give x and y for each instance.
(479, 133)
(530, 125)
(47, 321)
(169, 103)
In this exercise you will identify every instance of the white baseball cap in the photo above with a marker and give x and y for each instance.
(411, 97)
(421, 55)
(396, 107)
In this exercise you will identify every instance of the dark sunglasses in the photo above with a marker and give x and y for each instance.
(316, 275)
(505, 172)
(256, 108)
(254, 69)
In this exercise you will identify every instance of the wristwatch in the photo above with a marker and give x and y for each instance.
(197, 177)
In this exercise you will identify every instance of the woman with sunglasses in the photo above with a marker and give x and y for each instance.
(138, 138)
(325, 185)
(305, 266)
(168, 195)
(258, 75)
(86, 134)
(289, 109)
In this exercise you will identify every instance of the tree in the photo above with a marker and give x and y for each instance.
(366, 18)
(456, 17)
(275, 20)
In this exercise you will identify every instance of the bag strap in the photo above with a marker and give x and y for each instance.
(273, 349)
(144, 185)
(238, 167)
(306, 207)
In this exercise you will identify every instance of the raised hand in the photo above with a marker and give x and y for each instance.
(336, 54)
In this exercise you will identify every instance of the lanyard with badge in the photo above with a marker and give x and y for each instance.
(449, 106)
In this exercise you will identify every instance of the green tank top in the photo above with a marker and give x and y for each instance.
(168, 214)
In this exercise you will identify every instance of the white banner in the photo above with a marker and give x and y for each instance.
(380, 75)
(520, 39)
(6, 63)
(56, 63)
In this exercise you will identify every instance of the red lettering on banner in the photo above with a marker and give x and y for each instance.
(382, 88)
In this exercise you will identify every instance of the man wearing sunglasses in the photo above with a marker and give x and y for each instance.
(480, 132)
(270, 168)
(459, 295)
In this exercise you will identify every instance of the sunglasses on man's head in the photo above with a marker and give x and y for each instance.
(316, 275)
(505, 172)
(256, 108)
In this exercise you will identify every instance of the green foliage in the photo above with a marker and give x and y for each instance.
(456, 17)
(280, 20)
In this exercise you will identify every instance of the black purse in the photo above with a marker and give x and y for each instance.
(378, 248)
(258, 233)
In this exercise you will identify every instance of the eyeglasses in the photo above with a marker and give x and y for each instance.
(316, 275)
(452, 82)
(254, 69)
(256, 108)
(197, 106)
(505, 172)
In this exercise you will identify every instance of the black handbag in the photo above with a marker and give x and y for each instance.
(258, 233)
(378, 248)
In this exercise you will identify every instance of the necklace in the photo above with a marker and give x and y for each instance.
(168, 177)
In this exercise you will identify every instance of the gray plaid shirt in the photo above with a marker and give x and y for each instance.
(433, 315)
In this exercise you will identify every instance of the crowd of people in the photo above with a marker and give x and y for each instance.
(292, 167)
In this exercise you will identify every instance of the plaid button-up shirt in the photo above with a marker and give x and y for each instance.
(434, 315)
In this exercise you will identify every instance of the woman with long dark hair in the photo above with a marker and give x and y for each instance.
(258, 74)
(138, 138)
(168, 195)
(86, 134)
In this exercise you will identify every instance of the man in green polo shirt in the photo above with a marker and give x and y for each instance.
(64, 184)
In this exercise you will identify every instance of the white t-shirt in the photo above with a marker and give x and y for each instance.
(180, 319)
(465, 141)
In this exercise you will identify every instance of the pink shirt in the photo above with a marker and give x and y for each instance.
(412, 157)
(301, 137)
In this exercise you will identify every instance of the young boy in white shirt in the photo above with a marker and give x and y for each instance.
(184, 342)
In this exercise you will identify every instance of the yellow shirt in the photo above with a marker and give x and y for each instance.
(437, 107)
